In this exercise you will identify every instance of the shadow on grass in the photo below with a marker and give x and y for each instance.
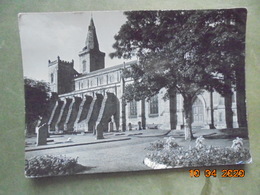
(80, 169)
(228, 134)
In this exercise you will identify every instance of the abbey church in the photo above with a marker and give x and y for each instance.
(92, 98)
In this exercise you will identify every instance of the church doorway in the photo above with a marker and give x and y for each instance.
(198, 113)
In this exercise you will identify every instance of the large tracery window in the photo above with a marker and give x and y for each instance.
(197, 111)
(220, 117)
(133, 109)
(221, 100)
(154, 105)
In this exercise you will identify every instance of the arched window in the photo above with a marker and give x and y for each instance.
(118, 76)
(154, 105)
(84, 66)
(100, 80)
(52, 77)
(133, 109)
(111, 78)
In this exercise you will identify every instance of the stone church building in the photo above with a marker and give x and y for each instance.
(92, 98)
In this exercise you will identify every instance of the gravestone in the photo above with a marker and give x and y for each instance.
(111, 126)
(139, 125)
(129, 126)
(99, 131)
(42, 136)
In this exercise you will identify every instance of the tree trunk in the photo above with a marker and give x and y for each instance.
(173, 108)
(228, 106)
(241, 97)
(123, 104)
(187, 102)
(212, 126)
(228, 110)
(123, 116)
(143, 119)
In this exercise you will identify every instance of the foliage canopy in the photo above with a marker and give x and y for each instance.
(36, 100)
(187, 51)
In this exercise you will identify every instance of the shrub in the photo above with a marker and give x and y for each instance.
(49, 165)
(200, 142)
(237, 144)
(157, 145)
(170, 143)
(200, 155)
(167, 144)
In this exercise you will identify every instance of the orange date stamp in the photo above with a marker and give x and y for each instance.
(213, 173)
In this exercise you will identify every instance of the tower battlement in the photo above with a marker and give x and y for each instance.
(62, 62)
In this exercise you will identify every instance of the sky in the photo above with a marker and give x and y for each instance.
(44, 36)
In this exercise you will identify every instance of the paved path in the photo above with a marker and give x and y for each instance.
(58, 141)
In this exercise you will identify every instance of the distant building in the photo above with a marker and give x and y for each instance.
(93, 98)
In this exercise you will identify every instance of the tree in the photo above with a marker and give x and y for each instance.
(176, 71)
(227, 55)
(224, 35)
(175, 52)
(36, 101)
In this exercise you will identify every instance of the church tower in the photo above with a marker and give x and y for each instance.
(91, 58)
(61, 75)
